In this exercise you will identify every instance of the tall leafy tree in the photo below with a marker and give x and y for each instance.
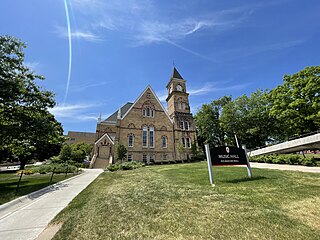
(28, 129)
(80, 151)
(248, 118)
(121, 152)
(296, 103)
(209, 129)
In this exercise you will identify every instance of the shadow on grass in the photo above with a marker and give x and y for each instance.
(8, 189)
(246, 179)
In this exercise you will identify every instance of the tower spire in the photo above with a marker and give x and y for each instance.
(176, 74)
(99, 118)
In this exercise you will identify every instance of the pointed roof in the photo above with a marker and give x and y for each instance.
(156, 97)
(176, 74)
(123, 110)
(105, 135)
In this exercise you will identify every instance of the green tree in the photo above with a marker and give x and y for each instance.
(80, 151)
(65, 153)
(296, 103)
(28, 130)
(121, 152)
(182, 152)
(249, 119)
(208, 124)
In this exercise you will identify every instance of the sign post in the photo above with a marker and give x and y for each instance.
(209, 164)
(226, 155)
(248, 163)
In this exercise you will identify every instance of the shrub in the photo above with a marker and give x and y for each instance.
(55, 159)
(199, 157)
(58, 168)
(125, 166)
(131, 165)
(114, 167)
(310, 161)
(62, 168)
(292, 159)
(26, 172)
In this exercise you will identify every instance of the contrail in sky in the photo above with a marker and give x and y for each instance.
(70, 51)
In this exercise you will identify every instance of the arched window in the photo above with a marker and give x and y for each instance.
(186, 125)
(163, 128)
(148, 111)
(188, 142)
(131, 125)
(164, 141)
(151, 134)
(130, 140)
(145, 136)
(181, 124)
(183, 142)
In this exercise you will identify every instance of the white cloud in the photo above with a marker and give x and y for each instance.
(89, 85)
(75, 112)
(78, 34)
(206, 89)
(144, 23)
(32, 65)
(162, 95)
(148, 32)
(106, 24)
(252, 50)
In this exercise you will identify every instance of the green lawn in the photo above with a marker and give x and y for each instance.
(28, 184)
(177, 202)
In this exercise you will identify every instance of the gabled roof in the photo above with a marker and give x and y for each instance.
(104, 135)
(124, 109)
(176, 74)
(156, 97)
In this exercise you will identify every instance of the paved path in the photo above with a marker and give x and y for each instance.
(27, 217)
(285, 167)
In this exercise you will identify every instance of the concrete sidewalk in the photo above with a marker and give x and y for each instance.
(27, 216)
(285, 167)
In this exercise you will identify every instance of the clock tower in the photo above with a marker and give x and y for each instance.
(178, 98)
(179, 111)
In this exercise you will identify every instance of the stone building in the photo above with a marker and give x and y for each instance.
(150, 133)
(77, 137)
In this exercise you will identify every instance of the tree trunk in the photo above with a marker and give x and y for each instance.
(23, 163)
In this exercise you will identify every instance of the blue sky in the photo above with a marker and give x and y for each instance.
(121, 46)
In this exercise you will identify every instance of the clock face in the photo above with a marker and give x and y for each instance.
(179, 88)
(171, 87)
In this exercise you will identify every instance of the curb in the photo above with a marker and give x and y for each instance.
(32, 196)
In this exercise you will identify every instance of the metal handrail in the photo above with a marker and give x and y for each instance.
(289, 139)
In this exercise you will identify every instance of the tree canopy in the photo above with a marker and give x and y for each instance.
(292, 108)
(296, 103)
(248, 118)
(208, 122)
(28, 129)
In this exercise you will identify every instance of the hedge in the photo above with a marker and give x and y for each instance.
(47, 168)
(292, 159)
(125, 166)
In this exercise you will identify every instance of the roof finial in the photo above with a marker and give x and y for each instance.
(99, 118)
(119, 114)
(174, 65)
